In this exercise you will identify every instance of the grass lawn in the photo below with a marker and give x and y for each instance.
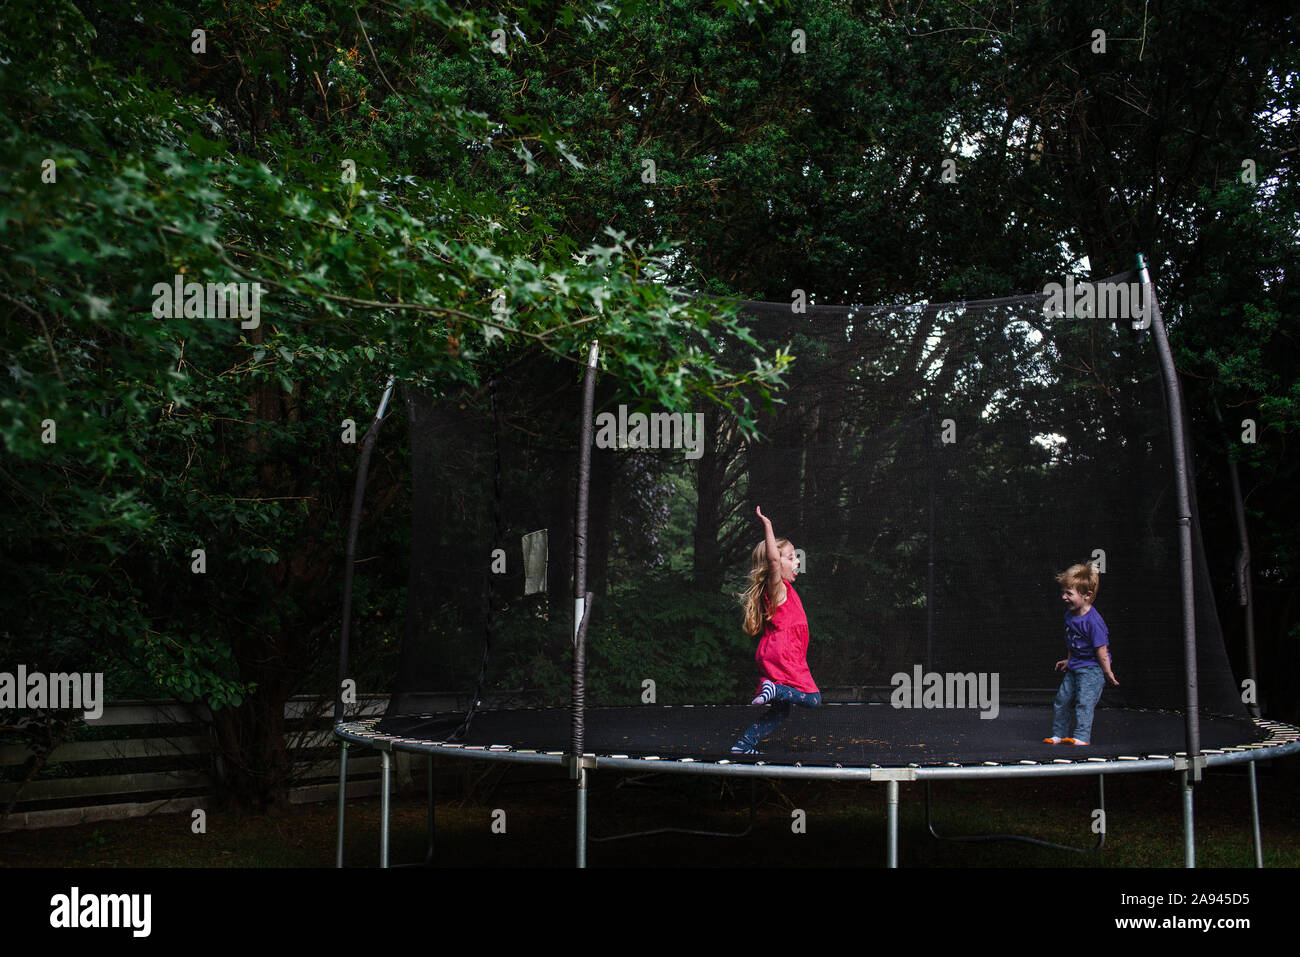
(843, 825)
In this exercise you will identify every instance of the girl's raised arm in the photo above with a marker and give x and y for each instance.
(775, 586)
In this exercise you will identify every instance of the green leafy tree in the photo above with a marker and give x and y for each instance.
(175, 478)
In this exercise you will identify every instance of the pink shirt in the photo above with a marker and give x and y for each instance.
(782, 652)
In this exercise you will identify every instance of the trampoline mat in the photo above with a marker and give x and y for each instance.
(850, 735)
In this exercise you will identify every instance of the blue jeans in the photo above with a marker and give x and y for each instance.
(777, 712)
(1082, 689)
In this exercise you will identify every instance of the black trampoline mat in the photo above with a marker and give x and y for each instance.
(851, 735)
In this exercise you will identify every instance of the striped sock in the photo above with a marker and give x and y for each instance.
(767, 694)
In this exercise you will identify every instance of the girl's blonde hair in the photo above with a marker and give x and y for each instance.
(752, 598)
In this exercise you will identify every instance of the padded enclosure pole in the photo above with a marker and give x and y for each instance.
(581, 599)
(1182, 478)
(930, 465)
(584, 495)
(1178, 435)
(354, 524)
(349, 569)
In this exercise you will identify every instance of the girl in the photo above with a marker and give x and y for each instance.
(773, 608)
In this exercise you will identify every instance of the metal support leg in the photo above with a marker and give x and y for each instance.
(891, 791)
(1189, 825)
(385, 775)
(582, 817)
(428, 857)
(343, 801)
(1254, 815)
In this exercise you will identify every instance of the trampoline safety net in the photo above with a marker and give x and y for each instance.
(936, 465)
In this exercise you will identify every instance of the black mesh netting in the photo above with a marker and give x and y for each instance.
(936, 465)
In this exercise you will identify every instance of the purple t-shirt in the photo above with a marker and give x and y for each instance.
(1084, 634)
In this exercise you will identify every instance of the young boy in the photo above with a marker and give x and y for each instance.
(1087, 667)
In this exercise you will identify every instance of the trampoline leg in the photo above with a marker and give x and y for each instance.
(386, 769)
(1101, 805)
(428, 857)
(1189, 826)
(1254, 815)
(582, 817)
(343, 800)
(891, 792)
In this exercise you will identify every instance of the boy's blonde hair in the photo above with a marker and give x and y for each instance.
(752, 598)
(1085, 579)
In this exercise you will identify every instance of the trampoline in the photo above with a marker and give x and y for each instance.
(919, 442)
(838, 736)
(862, 742)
